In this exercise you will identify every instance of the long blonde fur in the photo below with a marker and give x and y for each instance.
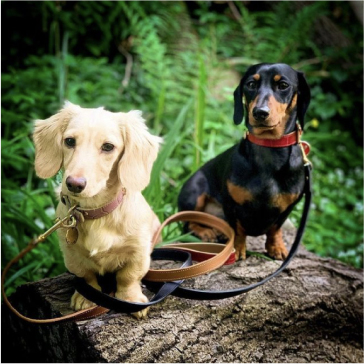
(121, 241)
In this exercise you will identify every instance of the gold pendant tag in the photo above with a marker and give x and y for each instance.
(71, 235)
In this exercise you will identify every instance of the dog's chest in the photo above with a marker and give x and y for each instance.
(106, 249)
(261, 192)
(258, 201)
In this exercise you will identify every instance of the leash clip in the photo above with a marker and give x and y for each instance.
(69, 221)
(299, 132)
(306, 161)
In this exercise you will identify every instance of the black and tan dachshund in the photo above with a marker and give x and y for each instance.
(255, 184)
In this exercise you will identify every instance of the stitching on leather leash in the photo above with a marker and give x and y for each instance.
(200, 267)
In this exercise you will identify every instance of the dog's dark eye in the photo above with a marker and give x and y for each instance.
(70, 142)
(107, 147)
(283, 85)
(251, 85)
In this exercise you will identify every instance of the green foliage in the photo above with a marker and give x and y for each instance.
(185, 63)
(335, 227)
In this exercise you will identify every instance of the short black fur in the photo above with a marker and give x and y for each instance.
(256, 187)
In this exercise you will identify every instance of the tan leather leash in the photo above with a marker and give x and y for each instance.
(79, 315)
(175, 276)
(85, 314)
(219, 253)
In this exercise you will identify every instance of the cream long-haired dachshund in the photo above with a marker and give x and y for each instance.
(106, 160)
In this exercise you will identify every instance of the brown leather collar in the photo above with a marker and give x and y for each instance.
(92, 214)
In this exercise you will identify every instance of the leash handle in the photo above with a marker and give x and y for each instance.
(172, 278)
(216, 261)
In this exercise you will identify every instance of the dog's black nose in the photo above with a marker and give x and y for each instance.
(261, 113)
(76, 184)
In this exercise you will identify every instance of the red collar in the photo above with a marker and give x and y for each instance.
(91, 214)
(286, 140)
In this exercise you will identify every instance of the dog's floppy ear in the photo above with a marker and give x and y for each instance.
(304, 97)
(238, 99)
(140, 151)
(238, 103)
(47, 138)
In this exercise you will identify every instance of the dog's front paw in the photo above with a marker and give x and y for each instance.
(78, 302)
(240, 249)
(141, 314)
(134, 297)
(275, 245)
(277, 251)
(204, 233)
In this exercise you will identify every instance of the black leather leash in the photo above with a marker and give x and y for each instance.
(175, 289)
(163, 290)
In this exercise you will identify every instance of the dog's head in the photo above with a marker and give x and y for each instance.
(275, 96)
(96, 149)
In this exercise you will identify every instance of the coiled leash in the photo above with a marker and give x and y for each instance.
(154, 278)
(107, 302)
(168, 281)
(197, 294)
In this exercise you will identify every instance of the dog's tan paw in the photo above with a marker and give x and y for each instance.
(204, 233)
(134, 297)
(208, 235)
(275, 245)
(143, 314)
(240, 250)
(78, 302)
(278, 251)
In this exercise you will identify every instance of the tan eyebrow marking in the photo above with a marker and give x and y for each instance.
(256, 77)
(277, 78)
